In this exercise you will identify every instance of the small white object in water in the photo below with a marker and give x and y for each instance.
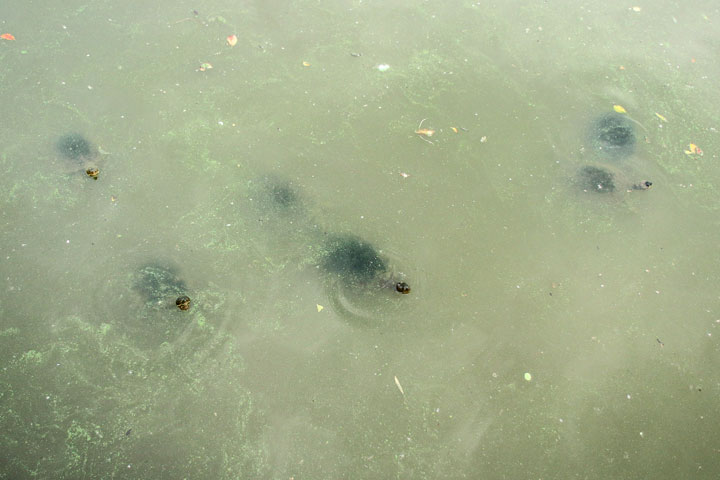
(527, 376)
(383, 67)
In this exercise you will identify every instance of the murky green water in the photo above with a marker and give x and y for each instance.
(233, 185)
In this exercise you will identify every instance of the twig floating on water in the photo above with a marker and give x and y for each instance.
(397, 382)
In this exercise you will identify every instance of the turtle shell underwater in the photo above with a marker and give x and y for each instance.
(613, 138)
(357, 277)
(79, 153)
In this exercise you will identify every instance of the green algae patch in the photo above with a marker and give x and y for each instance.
(98, 401)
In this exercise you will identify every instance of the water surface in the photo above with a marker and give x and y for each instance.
(607, 301)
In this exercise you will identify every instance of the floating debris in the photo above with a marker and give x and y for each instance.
(424, 132)
(428, 132)
(694, 150)
(397, 382)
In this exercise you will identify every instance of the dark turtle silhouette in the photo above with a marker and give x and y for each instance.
(613, 134)
(73, 146)
(606, 179)
(276, 196)
(356, 263)
(360, 282)
(78, 153)
(596, 179)
(352, 259)
(159, 285)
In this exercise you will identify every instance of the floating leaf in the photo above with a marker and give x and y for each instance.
(319, 307)
(454, 129)
(660, 117)
(306, 64)
(7, 36)
(694, 150)
(619, 109)
(231, 40)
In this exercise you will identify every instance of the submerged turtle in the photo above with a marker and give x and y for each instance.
(79, 152)
(359, 280)
(73, 146)
(605, 179)
(159, 285)
(357, 264)
(613, 133)
(595, 179)
(275, 195)
(352, 260)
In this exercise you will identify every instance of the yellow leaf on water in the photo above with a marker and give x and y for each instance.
(619, 109)
(694, 150)
(660, 117)
(319, 307)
